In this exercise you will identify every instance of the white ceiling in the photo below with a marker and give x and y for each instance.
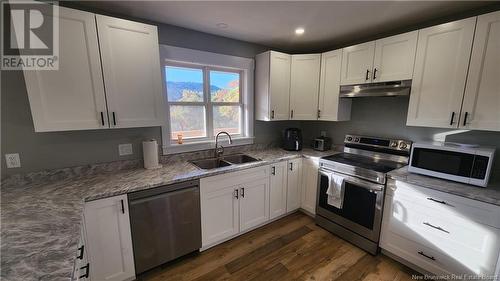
(327, 23)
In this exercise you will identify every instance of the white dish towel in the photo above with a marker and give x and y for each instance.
(335, 191)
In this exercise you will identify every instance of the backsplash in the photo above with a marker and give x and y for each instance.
(386, 117)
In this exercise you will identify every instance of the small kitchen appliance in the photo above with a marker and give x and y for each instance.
(322, 144)
(359, 176)
(457, 162)
(292, 139)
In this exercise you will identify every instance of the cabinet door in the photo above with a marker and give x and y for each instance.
(219, 213)
(481, 108)
(279, 85)
(72, 97)
(132, 74)
(331, 107)
(293, 184)
(277, 189)
(441, 64)
(304, 87)
(309, 185)
(395, 57)
(109, 240)
(254, 203)
(357, 63)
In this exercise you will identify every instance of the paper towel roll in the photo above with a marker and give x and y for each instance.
(150, 154)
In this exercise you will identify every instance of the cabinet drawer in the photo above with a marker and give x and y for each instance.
(211, 184)
(446, 205)
(473, 246)
(434, 261)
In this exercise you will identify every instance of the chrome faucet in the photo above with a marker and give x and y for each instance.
(220, 150)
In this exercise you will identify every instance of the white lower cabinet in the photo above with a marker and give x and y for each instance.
(309, 184)
(109, 241)
(294, 176)
(277, 189)
(441, 233)
(82, 266)
(233, 203)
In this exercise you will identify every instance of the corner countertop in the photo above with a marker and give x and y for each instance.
(489, 194)
(41, 221)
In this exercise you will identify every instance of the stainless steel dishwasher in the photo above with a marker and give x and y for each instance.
(165, 223)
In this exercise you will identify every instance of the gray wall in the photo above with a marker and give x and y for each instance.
(40, 151)
(382, 116)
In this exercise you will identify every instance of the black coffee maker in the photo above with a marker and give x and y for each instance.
(292, 139)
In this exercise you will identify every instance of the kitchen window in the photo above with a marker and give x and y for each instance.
(205, 99)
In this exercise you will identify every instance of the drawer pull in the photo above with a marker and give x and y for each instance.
(80, 255)
(436, 227)
(437, 201)
(429, 257)
(86, 275)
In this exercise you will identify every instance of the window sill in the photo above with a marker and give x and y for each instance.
(204, 145)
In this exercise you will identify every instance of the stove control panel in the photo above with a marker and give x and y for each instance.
(375, 142)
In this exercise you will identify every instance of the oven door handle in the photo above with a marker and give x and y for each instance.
(355, 181)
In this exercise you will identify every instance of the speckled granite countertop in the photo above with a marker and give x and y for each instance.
(40, 221)
(490, 194)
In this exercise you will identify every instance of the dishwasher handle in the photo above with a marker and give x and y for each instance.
(162, 189)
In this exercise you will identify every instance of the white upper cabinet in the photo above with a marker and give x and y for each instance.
(357, 63)
(394, 57)
(481, 107)
(272, 90)
(441, 64)
(330, 106)
(304, 86)
(71, 98)
(132, 74)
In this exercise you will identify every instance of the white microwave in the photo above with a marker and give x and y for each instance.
(456, 162)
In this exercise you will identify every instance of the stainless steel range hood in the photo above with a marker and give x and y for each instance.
(383, 89)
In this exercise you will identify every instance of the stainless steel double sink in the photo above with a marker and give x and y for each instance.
(224, 161)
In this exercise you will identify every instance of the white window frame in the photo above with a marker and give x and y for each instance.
(182, 57)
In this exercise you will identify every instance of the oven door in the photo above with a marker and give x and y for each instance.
(361, 210)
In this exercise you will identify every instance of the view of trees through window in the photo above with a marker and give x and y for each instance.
(188, 102)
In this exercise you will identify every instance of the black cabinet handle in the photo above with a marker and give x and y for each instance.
(319, 113)
(452, 117)
(367, 75)
(429, 257)
(291, 113)
(123, 206)
(80, 249)
(236, 194)
(243, 192)
(465, 118)
(114, 118)
(87, 270)
(273, 171)
(436, 227)
(437, 201)
(291, 166)
(102, 118)
(272, 114)
(374, 73)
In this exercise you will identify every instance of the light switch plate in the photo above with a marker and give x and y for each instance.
(125, 149)
(13, 160)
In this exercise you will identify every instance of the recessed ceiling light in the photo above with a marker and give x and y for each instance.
(222, 25)
(299, 31)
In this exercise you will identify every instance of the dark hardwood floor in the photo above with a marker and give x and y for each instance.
(292, 248)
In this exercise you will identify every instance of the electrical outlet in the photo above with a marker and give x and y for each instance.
(322, 133)
(125, 149)
(13, 160)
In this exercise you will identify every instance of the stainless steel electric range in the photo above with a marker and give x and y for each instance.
(362, 168)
